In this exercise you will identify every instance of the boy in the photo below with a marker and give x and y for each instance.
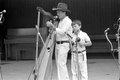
(79, 60)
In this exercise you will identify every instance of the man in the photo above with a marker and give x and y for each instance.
(79, 60)
(62, 41)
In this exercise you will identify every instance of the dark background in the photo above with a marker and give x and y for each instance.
(95, 15)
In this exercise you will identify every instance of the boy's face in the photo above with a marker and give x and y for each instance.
(76, 27)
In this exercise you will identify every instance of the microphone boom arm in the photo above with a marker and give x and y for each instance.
(111, 45)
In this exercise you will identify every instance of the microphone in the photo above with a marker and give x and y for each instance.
(44, 12)
(4, 11)
(55, 17)
(107, 30)
(118, 21)
(118, 17)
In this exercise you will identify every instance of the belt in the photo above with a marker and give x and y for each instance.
(61, 42)
(78, 51)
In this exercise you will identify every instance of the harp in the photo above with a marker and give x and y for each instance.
(43, 62)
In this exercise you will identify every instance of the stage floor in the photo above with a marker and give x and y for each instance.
(98, 69)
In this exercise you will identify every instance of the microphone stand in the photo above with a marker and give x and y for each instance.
(0, 67)
(78, 73)
(118, 37)
(1, 16)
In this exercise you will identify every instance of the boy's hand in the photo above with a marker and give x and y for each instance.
(82, 43)
(73, 43)
(77, 39)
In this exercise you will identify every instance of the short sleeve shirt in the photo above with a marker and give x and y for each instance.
(83, 37)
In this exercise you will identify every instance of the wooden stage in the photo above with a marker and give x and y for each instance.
(99, 69)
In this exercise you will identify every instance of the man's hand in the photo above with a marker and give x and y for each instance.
(49, 24)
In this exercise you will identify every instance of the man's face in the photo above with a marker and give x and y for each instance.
(60, 14)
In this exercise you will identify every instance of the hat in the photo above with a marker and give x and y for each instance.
(62, 6)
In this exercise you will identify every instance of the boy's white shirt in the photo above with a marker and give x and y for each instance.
(83, 38)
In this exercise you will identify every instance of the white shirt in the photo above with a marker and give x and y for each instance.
(64, 26)
(83, 38)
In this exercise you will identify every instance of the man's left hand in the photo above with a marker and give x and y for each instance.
(49, 24)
